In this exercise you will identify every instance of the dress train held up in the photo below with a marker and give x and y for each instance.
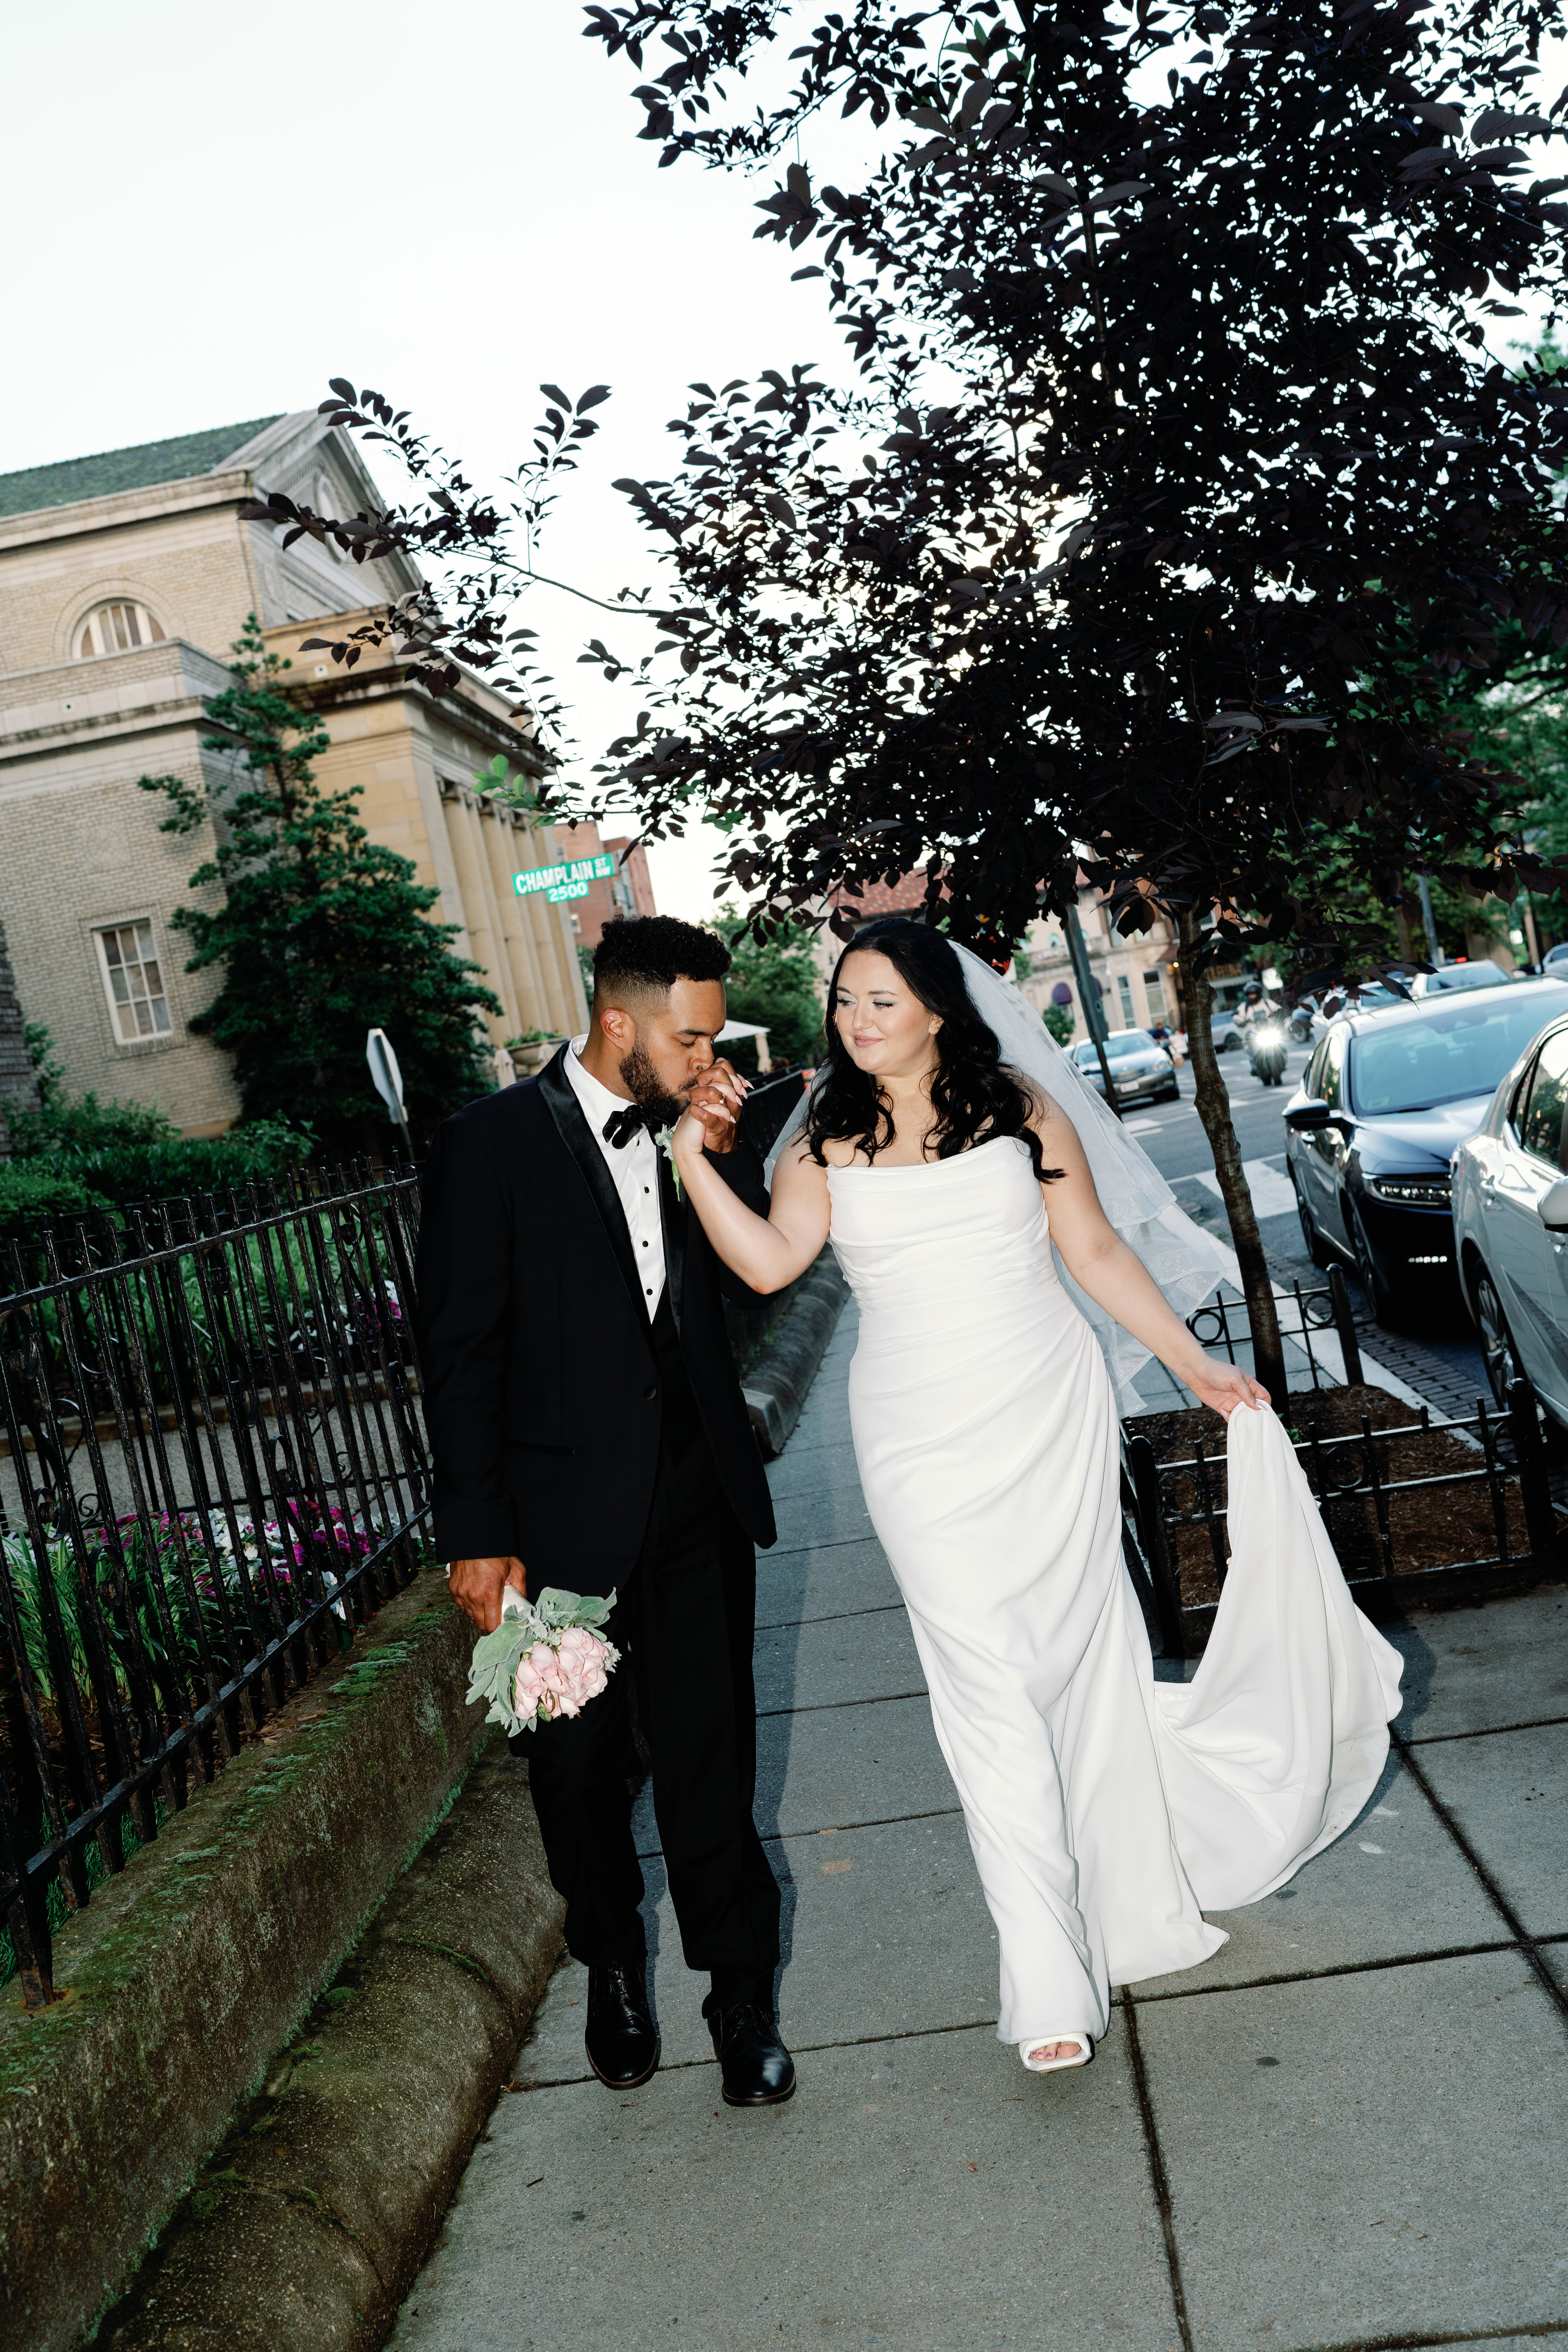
(1106, 1812)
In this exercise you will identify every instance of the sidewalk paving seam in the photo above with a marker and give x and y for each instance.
(1488, 1731)
(1529, 1944)
(1352, 1968)
(797, 2048)
(849, 1829)
(829, 1705)
(834, 1543)
(1159, 2178)
(1539, 2328)
(838, 1617)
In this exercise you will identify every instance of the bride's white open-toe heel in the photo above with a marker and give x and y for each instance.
(1081, 2056)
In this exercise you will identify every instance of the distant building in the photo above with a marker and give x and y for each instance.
(1137, 978)
(124, 579)
(627, 891)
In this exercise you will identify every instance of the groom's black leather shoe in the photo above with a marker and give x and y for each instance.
(620, 2038)
(757, 2069)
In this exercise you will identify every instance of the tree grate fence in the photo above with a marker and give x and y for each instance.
(213, 1471)
(1475, 1489)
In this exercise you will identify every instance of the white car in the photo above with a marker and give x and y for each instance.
(1511, 1224)
(1482, 973)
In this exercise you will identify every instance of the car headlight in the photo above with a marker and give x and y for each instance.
(1411, 1192)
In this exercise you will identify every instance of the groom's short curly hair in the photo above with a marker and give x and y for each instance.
(645, 955)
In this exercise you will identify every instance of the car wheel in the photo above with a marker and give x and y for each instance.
(1378, 1290)
(1498, 1349)
(1316, 1248)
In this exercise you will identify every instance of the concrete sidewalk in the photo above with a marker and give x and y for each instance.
(1349, 2129)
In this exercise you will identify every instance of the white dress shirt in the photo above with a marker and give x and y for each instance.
(634, 1169)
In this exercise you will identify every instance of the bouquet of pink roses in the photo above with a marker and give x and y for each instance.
(546, 1658)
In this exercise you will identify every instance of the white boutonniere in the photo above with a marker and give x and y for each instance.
(664, 1140)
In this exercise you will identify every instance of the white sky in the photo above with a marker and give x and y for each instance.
(212, 212)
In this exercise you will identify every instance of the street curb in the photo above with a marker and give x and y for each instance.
(198, 1961)
(779, 1383)
(308, 2227)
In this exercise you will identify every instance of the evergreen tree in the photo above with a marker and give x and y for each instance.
(322, 934)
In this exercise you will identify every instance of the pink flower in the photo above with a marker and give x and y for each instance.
(538, 1683)
(583, 1667)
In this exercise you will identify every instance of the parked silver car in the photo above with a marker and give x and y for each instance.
(1511, 1224)
(1138, 1066)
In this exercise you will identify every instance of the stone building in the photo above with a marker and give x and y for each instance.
(124, 579)
(18, 1084)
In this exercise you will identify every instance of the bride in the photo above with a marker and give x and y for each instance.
(954, 1155)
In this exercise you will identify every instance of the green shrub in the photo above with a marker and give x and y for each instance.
(123, 1152)
(1058, 1019)
(36, 1192)
(167, 1167)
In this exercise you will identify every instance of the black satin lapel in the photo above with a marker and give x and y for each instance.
(673, 1213)
(583, 1144)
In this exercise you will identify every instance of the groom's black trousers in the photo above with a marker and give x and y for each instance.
(684, 1624)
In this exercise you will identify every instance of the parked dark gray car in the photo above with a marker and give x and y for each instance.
(1386, 1100)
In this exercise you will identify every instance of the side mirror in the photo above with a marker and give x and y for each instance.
(1309, 1114)
(1554, 1208)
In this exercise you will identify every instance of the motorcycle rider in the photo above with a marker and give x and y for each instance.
(1258, 1022)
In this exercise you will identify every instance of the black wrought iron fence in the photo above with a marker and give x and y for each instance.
(768, 1107)
(1306, 1318)
(1419, 1510)
(212, 1470)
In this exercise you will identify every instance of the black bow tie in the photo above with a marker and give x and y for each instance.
(622, 1125)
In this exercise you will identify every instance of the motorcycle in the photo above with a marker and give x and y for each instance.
(1301, 1020)
(1266, 1049)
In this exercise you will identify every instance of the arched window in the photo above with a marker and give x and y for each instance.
(115, 629)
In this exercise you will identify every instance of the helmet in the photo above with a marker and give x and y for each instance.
(1253, 991)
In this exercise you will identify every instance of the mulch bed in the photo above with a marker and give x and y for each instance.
(1435, 1527)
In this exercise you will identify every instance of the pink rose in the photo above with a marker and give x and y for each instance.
(536, 1680)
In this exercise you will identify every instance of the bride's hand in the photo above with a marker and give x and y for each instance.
(1223, 1386)
(712, 1117)
(691, 1139)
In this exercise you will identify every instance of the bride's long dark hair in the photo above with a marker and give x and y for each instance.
(974, 1097)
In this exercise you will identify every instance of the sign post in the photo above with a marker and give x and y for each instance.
(1089, 992)
(387, 1080)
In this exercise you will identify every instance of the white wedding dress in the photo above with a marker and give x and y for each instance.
(1106, 1812)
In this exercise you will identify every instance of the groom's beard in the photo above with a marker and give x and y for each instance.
(645, 1086)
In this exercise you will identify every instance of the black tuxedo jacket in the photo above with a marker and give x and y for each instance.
(542, 1394)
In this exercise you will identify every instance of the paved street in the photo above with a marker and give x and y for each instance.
(1349, 2129)
(1173, 1137)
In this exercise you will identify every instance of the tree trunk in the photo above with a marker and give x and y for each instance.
(1214, 1109)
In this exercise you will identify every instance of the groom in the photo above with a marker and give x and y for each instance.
(588, 1431)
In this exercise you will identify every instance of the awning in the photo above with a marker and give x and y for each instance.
(746, 1029)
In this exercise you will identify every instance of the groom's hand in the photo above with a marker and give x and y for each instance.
(478, 1585)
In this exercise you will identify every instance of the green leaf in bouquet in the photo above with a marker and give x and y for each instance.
(492, 1670)
(560, 1609)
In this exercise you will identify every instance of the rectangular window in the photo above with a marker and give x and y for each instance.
(1155, 995)
(133, 982)
(1124, 989)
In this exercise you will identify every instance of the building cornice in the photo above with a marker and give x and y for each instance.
(121, 510)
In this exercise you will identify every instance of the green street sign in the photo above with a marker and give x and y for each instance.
(565, 881)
